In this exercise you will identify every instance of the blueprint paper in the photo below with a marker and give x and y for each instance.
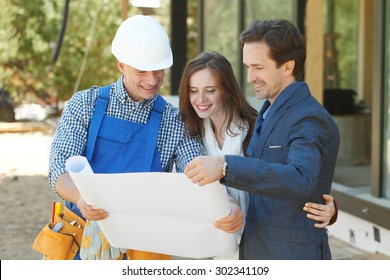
(157, 212)
(78, 164)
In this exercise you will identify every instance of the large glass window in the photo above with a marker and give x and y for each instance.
(221, 20)
(342, 96)
(341, 43)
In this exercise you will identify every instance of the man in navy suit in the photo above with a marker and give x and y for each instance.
(292, 153)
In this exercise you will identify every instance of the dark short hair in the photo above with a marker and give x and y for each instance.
(284, 40)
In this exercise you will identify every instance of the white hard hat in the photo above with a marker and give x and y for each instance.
(142, 43)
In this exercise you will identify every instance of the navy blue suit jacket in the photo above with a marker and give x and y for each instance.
(291, 162)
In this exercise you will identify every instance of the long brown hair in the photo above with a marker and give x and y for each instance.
(234, 101)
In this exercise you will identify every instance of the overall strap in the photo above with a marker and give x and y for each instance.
(154, 127)
(97, 118)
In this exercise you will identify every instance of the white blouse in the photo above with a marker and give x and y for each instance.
(231, 146)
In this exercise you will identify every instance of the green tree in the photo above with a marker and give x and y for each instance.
(24, 40)
(28, 36)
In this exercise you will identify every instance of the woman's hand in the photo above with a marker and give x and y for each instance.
(322, 213)
(234, 221)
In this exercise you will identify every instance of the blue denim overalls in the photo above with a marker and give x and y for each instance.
(119, 146)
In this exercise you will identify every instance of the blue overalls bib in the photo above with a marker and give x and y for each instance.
(119, 146)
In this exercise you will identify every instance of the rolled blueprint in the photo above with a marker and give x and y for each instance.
(156, 211)
(78, 164)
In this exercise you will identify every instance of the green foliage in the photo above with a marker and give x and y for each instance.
(193, 44)
(347, 45)
(25, 35)
(263, 9)
(345, 36)
(29, 33)
(83, 38)
(28, 36)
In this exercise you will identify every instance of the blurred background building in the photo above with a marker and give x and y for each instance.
(49, 50)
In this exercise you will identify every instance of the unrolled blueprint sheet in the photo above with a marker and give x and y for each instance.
(157, 212)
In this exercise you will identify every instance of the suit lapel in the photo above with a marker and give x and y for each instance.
(290, 96)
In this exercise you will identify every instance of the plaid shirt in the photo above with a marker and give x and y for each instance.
(173, 143)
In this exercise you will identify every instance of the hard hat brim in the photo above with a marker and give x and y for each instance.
(155, 66)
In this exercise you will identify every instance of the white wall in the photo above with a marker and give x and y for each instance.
(361, 234)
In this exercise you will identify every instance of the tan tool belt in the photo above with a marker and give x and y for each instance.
(142, 255)
(64, 244)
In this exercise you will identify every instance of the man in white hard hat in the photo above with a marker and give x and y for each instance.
(96, 123)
